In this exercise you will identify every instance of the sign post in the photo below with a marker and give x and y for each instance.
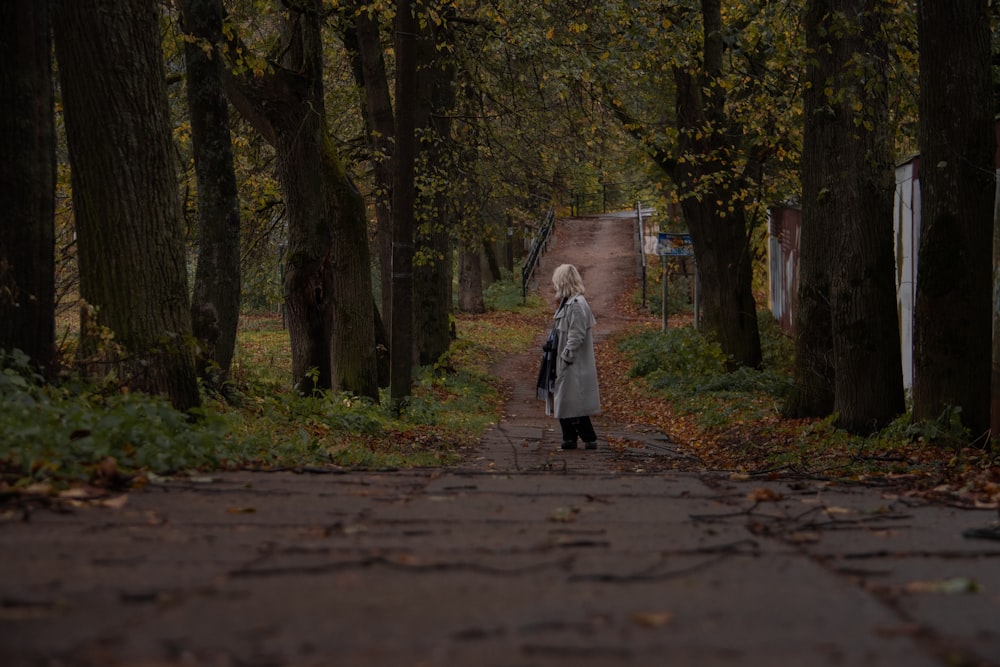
(671, 245)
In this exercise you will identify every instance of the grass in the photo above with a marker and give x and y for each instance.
(56, 436)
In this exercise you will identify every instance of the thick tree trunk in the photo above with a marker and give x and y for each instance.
(129, 226)
(355, 359)
(403, 200)
(868, 376)
(813, 392)
(847, 328)
(368, 62)
(308, 266)
(430, 106)
(953, 309)
(432, 276)
(995, 365)
(27, 183)
(328, 275)
(722, 252)
(470, 276)
(715, 216)
(215, 306)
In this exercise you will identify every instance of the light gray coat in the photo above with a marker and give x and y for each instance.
(576, 391)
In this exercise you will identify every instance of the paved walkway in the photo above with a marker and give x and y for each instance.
(522, 556)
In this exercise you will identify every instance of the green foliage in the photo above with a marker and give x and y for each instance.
(680, 353)
(451, 404)
(945, 431)
(777, 348)
(51, 433)
(689, 370)
(67, 434)
(505, 295)
(679, 299)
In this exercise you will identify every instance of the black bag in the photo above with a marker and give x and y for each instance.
(547, 371)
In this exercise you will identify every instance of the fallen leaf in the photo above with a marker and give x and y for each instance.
(564, 514)
(79, 493)
(949, 586)
(116, 503)
(405, 559)
(765, 495)
(803, 537)
(652, 619)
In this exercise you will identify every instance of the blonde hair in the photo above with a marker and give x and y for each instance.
(567, 281)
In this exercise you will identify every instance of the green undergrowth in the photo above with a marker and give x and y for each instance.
(58, 435)
(690, 372)
(733, 419)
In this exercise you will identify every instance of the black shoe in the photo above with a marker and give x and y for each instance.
(567, 444)
(590, 445)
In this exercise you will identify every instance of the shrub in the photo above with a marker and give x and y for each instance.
(682, 363)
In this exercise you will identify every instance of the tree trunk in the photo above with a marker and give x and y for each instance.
(430, 106)
(868, 376)
(953, 309)
(847, 328)
(355, 359)
(813, 391)
(215, 306)
(716, 217)
(363, 39)
(432, 275)
(432, 278)
(128, 217)
(328, 274)
(995, 364)
(27, 183)
(470, 275)
(403, 200)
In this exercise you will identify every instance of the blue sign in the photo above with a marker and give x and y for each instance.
(674, 245)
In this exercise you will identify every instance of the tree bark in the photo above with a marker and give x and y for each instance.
(215, 306)
(128, 217)
(995, 364)
(363, 40)
(328, 292)
(813, 391)
(470, 275)
(953, 309)
(432, 276)
(403, 200)
(27, 183)
(716, 218)
(847, 328)
(868, 376)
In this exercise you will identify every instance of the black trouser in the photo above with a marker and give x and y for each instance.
(577, 427)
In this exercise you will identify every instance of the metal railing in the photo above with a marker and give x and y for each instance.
(538, 246)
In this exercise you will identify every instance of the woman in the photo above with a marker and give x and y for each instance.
(575, 394)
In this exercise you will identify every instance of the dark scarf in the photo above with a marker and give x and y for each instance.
(547, 371)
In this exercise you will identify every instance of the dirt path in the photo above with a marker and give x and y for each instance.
(604, 249)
